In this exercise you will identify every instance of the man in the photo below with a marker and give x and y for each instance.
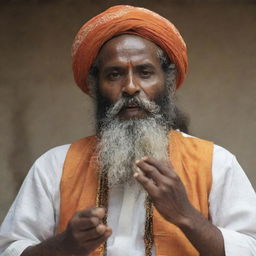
(89, 198)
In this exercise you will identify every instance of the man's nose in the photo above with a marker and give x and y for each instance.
(130, 86)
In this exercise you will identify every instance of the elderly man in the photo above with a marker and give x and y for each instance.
(139, 186)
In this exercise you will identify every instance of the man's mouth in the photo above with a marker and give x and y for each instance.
(132, 106)
(131, 111)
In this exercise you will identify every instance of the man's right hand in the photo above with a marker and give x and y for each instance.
(85, 232)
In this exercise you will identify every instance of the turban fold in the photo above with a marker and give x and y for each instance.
(125, 19)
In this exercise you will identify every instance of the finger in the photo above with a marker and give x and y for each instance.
(147, 183)
(99, 212)
(92, 234)
(96, 212)
(107, 232)
(163, 167)
(82, 224)
(95, 243)
(150, 171)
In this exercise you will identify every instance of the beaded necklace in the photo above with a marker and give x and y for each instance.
(102, 201)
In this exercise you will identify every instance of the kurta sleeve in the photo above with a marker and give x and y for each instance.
(233, 205)
(33, 216)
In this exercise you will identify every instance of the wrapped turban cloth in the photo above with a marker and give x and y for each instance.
(125, 19)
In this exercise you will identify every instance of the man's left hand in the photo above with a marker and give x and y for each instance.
(165, 189)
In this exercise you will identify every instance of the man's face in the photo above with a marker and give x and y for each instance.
(129, 66)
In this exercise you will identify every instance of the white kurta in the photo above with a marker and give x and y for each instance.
(34, 214)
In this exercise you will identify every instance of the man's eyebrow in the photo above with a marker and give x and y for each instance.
(111, 68)
(108, 69)
(146, 65)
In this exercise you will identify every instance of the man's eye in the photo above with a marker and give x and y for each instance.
(114, 75)
(146, 73)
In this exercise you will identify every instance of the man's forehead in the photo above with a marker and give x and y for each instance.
(128, 47)
(130, 41)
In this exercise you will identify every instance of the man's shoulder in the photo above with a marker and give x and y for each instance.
(92, 139)
(50, 164)
(219, 152)
(58, 154)
(189, 136)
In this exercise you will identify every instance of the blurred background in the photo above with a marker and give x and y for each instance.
(41, 107)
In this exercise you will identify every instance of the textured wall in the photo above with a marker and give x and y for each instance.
(41, 107)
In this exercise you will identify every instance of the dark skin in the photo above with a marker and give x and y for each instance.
(85, 232)
(169, 196)
(129, 65)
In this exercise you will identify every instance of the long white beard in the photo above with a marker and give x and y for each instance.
(123, 142)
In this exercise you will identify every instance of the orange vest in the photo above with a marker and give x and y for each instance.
(192, 161)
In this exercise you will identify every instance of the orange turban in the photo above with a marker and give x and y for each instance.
(122, 19)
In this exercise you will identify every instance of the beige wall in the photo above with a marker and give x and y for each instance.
(41, 107)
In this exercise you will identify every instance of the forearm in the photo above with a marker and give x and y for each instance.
(51, 247)
(204, 236)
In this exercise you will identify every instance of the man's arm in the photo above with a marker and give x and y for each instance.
(232, 204)
(34, 214)
(163, 185)
(31, 221)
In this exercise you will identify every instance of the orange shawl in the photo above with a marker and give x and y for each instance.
(192, 161)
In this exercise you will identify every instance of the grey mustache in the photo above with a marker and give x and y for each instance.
(143, 103)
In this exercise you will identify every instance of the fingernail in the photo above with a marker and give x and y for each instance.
(95, 221)
(100, 229)
(100, 212)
